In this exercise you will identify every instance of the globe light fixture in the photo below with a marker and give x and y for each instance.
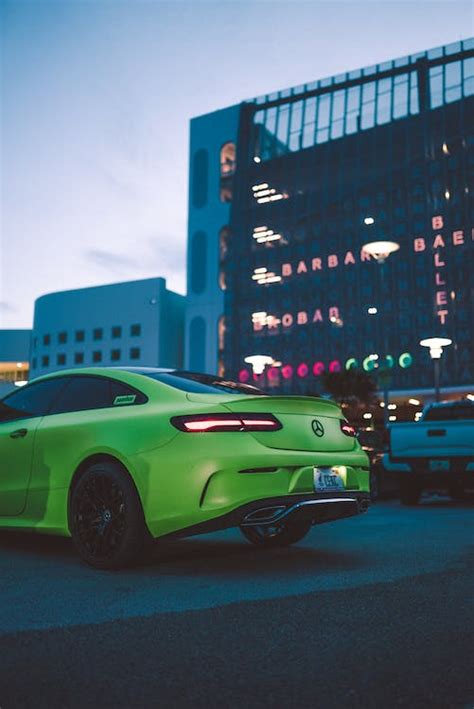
(380, 250)
(259, 362)
(436, 345)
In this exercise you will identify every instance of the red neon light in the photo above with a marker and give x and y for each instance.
(302, 370)
(287, 371)
(272, 373)
(318, 368)
(335, 366)
(243, 376)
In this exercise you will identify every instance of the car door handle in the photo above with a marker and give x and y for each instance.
(437, 432)
(20, 433)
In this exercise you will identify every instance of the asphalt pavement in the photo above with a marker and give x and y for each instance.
(373, 611)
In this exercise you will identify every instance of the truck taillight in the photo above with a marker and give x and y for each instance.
(347, 428)
(220, 423)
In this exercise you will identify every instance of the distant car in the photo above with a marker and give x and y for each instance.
(434, 453)
(115, 456)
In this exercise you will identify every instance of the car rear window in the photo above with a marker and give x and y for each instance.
(195, 383)
(449, 413)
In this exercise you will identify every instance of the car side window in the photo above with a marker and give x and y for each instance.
(34, 399)
(84, 393)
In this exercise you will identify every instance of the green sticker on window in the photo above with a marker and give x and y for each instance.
(126, 399)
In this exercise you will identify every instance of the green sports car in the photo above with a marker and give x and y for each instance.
(114, 457)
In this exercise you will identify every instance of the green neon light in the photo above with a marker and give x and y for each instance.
(405, 360)
(351, 363)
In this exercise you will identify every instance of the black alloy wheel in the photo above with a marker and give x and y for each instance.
(106, 517)
(280, 534)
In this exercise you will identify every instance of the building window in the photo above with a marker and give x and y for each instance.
(200, 178)
(97, 356)
(33, 363)
(135, 330)
(198, 265)
(46, 339)
(61, 359)
(134, 353)
(80, 335)
(115, 355)
(224, 236)
(62, 338)
(116, 332)
(98, 333)
(78, 357)
(45, 361)
(227, 171)
(197, 344)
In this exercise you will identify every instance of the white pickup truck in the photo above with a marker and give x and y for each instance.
(436, 452)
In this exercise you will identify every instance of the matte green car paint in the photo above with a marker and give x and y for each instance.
(182, 478)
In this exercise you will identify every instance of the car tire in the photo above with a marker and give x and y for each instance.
(277, 535)
(106, 517)
(410, 491)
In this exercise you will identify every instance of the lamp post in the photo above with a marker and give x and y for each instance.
(380, 251)
(436, 345)
(259, 362)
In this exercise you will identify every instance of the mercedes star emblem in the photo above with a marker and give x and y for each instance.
(318, 428)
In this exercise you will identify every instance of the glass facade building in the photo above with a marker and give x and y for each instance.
(314, 173)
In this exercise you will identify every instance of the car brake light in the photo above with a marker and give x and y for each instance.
(347, 428)
(219, 423)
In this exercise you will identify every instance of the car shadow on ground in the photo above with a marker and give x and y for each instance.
(209, 555)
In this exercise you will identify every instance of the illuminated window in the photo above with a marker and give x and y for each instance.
(227, 171)
(224, 235)
(221, 333)
(200, 178)
(198, 265)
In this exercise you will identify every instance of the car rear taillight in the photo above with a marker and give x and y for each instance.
(219, 423)
(347, 428)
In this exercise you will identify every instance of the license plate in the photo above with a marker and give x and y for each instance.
(327, 479)
(439, 466)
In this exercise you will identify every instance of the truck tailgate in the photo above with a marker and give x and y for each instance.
(432, 439)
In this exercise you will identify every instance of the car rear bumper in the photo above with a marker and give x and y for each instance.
(317, 507)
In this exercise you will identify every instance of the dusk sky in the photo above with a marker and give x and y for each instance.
(96, 102)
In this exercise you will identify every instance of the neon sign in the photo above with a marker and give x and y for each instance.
(302, 317)
(304, 370)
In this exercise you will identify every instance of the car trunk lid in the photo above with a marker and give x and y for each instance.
(308, 423)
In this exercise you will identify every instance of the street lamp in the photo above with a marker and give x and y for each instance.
(258, 362)
(436, 345)
(380, 251)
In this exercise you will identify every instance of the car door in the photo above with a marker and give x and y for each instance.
(20, 415)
